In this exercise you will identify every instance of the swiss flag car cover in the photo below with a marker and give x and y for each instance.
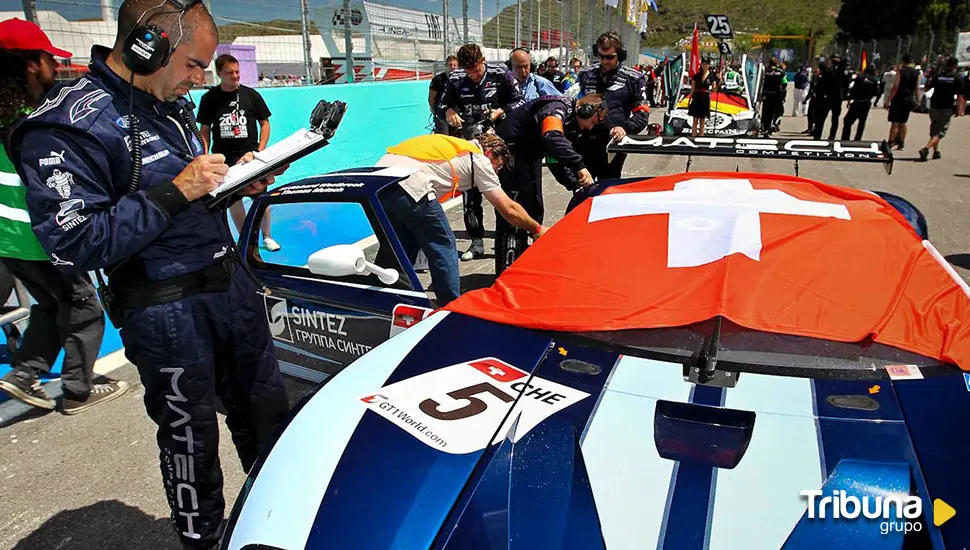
(769, 252)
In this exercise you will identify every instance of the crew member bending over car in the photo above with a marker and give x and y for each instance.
(625, 90)
(475, 92)
(446, 165)
(533, 131)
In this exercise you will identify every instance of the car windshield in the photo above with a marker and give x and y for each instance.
(744, 350)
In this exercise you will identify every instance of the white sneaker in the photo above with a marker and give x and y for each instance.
(271, 244)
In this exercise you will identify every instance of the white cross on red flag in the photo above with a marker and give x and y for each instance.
(773, 253)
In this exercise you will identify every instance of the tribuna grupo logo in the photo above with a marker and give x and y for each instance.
(898, 512)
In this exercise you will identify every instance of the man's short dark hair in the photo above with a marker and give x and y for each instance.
(553, 59)
(495, 144)
(609, 40)
(224, 60)
(907, 59)
(451, 58)
(469, 55)
(951, 63)
(165, 16)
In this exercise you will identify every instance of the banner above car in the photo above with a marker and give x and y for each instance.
(769, 252)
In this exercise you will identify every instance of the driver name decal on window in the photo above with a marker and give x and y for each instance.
(456, 409)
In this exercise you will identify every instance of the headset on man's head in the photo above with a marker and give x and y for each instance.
(532, 61)
(147, 47)
(589, 110)
(620, 50)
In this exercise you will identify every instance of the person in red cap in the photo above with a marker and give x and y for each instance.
(67, 313)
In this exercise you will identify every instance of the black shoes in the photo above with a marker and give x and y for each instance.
(26, 388)
(100, 393)
(475, 251)
(924, 154)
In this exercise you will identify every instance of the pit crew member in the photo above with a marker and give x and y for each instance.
(476, 90)
(192, 321)
(626, 97)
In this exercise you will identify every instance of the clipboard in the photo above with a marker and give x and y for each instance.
(324, 121)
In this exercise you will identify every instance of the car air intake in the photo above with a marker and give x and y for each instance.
(699, 433)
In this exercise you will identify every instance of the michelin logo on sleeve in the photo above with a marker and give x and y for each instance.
(62, 182)
(277, 315)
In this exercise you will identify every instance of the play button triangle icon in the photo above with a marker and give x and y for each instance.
(942, 512)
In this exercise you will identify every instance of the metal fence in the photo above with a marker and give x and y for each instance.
(291, 42)
(925, 49)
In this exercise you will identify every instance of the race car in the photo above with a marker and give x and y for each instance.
(702, 360)
(733, 112)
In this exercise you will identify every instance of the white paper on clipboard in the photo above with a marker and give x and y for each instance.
(287, 147)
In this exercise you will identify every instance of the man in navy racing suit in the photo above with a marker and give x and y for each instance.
(474, 92)
(193, 322)
(626, 98)
(532, 131)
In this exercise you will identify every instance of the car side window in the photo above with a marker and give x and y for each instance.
(304, 229)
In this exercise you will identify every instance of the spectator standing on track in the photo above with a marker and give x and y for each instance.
(903, 99)
(435, 89)
(415, 213)
(812, 97)
(699, 107)
(772, 100)
(948, 87)
(553, 74)
(861, 93)
(229, 115)
(67, 314)
(801, 92)
(828, 97)
(529, 84)
(888, 84)
(475, 91)
(572, 77)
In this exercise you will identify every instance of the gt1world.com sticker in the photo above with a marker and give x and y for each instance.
(456, 409)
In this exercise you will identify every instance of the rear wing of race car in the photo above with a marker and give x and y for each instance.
(791, 149)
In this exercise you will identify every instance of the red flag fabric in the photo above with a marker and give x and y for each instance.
(865, 63)
(769, 252)
(695, 53)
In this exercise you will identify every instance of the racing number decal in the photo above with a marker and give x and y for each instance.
(456, 409)
(474, 406)
(719, 27)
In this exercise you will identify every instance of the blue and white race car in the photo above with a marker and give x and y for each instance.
(777, 366)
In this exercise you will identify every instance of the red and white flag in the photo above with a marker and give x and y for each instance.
(769, 252)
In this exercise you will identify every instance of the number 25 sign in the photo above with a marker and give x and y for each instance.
(719, 27)
(457, 409)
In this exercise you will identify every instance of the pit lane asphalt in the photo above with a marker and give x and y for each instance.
(92, 481)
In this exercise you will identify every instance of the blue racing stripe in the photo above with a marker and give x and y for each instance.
(688, 516)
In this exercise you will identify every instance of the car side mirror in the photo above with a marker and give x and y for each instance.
(343, 260)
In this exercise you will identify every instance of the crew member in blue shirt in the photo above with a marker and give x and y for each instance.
(530, 85)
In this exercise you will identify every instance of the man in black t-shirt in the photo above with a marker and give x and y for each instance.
(234, 120)
(948, 91)
(435, 90)
(902, 100)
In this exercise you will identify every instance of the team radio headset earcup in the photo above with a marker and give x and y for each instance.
(533, 67)
(146, 50)
(147, 47)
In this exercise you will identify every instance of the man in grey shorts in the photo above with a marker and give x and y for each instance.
(948, 87)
